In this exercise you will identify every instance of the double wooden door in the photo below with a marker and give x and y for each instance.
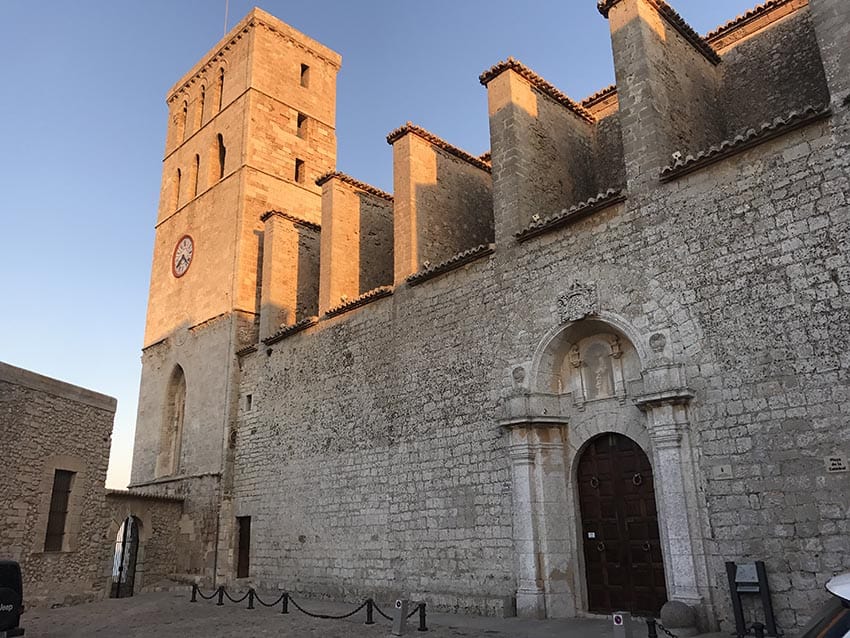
(622, 550)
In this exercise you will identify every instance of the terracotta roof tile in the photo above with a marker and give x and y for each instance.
(749, 138)
(456, 261)
(568, 215)
(362, 300)
(438, 142)
(746, 17)
(600, 95)
(291, 330)
(539, 83)
(290, 217)
(674, 20)
(363, 186)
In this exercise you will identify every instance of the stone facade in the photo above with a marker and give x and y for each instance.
(665, 261)
(47, 425)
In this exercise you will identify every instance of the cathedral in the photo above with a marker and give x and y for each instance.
(579, 373)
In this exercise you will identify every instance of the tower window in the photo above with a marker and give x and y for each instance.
(305, 75)
(201, 100)
(222, 153)
(54, 541)
(220, 88)
(302, 125)
(183, 125)
(176, 194)
(249, 401)
(299, 170)
(195, 173)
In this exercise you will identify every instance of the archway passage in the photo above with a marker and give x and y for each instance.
(622, 551)
(124, 561)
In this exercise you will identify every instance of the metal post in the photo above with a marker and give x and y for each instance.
(194, 598)
(284, 605)
(758, 629)
(651, 631)
(422, 626)
(766, 602)
(622, 621)
(369, 605)
(250, 599)
(220, 596)
(400, 617)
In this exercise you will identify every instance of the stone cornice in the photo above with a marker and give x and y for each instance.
(675, 396)
(548, 89)
(246, 350)
(143, 495)
(356, 183)
(291, 330)
(574, 213)
(362, 300)
(40, 383)
(456, 261)
(674, 20)
(743, 141)
(295, 220)
(440, 143)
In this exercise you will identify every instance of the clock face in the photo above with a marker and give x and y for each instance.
(183, 252)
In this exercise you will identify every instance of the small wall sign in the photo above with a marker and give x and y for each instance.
(836, 463)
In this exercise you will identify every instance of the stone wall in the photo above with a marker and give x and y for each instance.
(48, 425)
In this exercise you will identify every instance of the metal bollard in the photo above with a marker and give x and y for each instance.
(758, 629)
(422, 626)
(194, 598)
(284, 604)
(651, 631)
(250, 599)
(220, 596)
(369, 609)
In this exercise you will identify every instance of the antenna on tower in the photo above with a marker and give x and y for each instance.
(226, 6)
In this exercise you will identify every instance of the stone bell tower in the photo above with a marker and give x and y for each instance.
(250, 128)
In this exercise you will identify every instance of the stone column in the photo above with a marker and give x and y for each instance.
(530, 600)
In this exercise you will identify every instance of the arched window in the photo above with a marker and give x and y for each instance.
(181, 121)
(175, 195)
(201, 99)
(222, 153)
(220, 88)
(195, 172)
(168, 460)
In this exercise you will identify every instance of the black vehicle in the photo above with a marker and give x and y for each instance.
(11, 598)
(833, 619)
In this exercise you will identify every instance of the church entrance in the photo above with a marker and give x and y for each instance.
(622, 552)
(124, 561)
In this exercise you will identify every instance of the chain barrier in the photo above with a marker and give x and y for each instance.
(653, 625)
(284, 599)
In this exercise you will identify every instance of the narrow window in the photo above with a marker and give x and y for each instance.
(244, 549)
(184, 128)
(299, 171)
(220, 88)
(195, 175)
(222, 153)
(201, 101)
(58, 516)
(249, 402)
(305, 75)
(176, 195)
(171, 434)
(302, 125)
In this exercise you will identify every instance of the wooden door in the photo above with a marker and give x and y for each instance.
(622, 550)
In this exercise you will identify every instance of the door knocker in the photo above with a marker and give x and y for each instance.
(646, 546)
(637, 479)
(600, 546)
(594, 482)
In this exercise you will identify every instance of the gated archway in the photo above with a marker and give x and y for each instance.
(124, 561)
(624, 569)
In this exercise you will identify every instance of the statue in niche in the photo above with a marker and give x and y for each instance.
(598, 372)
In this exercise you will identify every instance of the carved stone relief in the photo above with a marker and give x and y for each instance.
(578, 302)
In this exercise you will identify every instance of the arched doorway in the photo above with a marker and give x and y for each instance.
(624, 569)
(124, 561)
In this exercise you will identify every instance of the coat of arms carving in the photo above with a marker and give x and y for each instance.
(578, 302)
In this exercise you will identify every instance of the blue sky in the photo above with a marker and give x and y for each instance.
(82, 123)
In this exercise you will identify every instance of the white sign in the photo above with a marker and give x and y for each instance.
(836, 463)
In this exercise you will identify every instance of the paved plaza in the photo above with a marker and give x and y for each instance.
(169, 614)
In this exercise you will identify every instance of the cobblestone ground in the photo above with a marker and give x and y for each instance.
(169, 614)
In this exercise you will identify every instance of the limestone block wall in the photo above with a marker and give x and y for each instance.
(48, 425)
(443, 200)
(770, 73)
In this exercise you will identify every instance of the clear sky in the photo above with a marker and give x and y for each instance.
(82, 124)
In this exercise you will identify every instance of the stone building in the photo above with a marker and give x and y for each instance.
(575, 374)
(57, 519)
